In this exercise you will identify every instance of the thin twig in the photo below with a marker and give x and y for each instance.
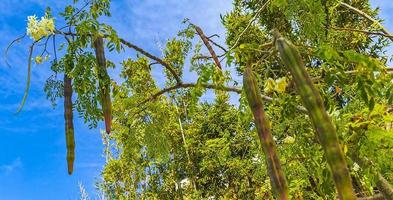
(217, 45)
(214, 35)
(54, 48)
(151, 56)
(46, 45)
(249, 24)
(362, 31)
(365, 15)
(207, 44)
(8, 48)
(74, 15)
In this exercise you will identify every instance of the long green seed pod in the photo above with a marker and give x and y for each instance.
(277, 177)
(69, 125)
(317, 113)
(104, 83)
(28, 80)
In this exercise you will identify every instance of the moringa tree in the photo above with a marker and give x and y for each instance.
(164, 142)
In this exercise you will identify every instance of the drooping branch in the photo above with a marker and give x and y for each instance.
(155, 58)
(368, 17)
(140, 50)
(9, 46)
(45, 44)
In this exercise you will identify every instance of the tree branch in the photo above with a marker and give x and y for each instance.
(362, 31)
(249, 24)
(365, 15)
(190, 85)
(151, 56)
(140, 50)
(210, 86)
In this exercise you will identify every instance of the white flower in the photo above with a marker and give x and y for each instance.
(289, 140)
(184, 183)
(256, 159)
(46, 58)
(37, 29)
(355, 167)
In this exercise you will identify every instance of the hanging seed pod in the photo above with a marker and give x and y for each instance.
(28, 79)
(277, 177)
(317, 113)
(208, 46)
(69, 125)
(104, 83)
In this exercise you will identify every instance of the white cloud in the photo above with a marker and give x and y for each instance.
(7, 169)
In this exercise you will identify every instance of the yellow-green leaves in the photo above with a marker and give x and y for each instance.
(289, 140)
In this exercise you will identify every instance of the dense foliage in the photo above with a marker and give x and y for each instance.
(166, 142)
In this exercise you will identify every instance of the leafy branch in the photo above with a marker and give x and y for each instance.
(140, 50)
(368, 17)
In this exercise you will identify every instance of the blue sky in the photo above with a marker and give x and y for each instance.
(32, 144)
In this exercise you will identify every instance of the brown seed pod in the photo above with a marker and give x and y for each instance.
(104, 83)
(69, 125)
(277, 177)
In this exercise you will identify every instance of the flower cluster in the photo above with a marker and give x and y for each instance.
(40, 59)
(37, 29)
(289, 140)
(278, 85)
(355, 167)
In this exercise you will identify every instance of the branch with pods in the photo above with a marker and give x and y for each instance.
(291, 58)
